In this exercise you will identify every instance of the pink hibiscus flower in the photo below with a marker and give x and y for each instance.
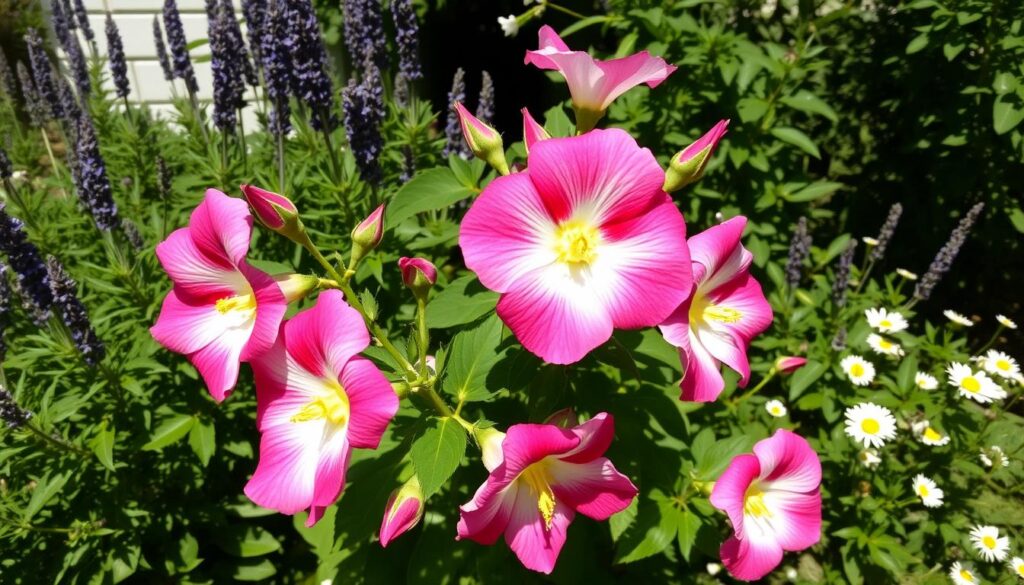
(316, 401)
(773, 501)
(593, 83)
(221, 310)
(726, 310)
(544, 476)
(582, 242)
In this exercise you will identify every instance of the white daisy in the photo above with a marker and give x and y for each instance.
(869, 458)
(885, 321)
(931, 495)
(989, 544)
(870, 424)
(933, 438)
(883, 346)
(713, 569)
(958, 318)
(999, 363)
(925, 381)
(1017, 566)
(974, 385)
(791, 574)
(906, 274)
(1006, 322)
(869, 241)
(860, 371)
(509, 25)
(775, 408)
(994, 454)
(963, 574)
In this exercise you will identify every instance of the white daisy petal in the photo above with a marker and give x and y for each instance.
(958, 318)
(906, 274)
(926, 381)
(1017, 566)
(1000, 364)
(870, 424)
(775, 408)
(989, 544)
(1006, 322)
(860, 371)
(931, 495)
(885, 321)
(884, 346)
(974, 385)
(963, 574)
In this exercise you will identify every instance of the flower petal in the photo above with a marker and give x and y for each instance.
(330, 473)
(719, 251)
(797, 521)
(743, 294)
(373, 403)
(595, 488)
(595, 436)
(218, 362)
(324, 338)
(621, 75)
(702, 378)
(184, 327)
(221, 227)
(525, 444)
(484, 518)
(747, 560)
(731, 488)
(284, 476)
(536, 545)
(270, 309)
(724, 347)
(788, 462)
(194, 274)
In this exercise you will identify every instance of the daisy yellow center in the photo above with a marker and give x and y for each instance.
(966, 575)
(536, 478)
(922, 490)
(753, 502)
(931, 435)
(885, 323)
(576, 242)
(971, 384)
(1003, 365)
(884, 344)
(870, 426)
(989, 542)
(776, 410)
(857, 370)
(333, 406)
(245, 303)
(1020, 569)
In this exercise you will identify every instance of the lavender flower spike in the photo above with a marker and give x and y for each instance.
(944, 259)
(485, 104)
(79, 70)
(42, 73)
(364, 113)
(364, 32)
(68, 101)
(255, 12)
(115, 53)
(34, 106)
(309, 80)
(842, 275)
(885, 234)
(73, 313)
(161, 50)
(6, 169)
(225, 83)
(93, 184)
(83, 21)
(7, 84)
(240, 56)
(12, 414)
(407, 37)
(24, 258)
(5, 310)
(179, 46)
(454, 142)
(799, 249)
(277, 66)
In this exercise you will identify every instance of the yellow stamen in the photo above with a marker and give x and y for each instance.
(966, 575)
(870, 426)
(1003, 365)
(753, 502)
(576, 242)
(971, 384)
(1020, 569)
(536, 477)
(922, 490)
(722, 314)
(885, 323)
(856, 370)
(245, 302)
(884, 344)
(932, 435)
(989, 542)
(333, 406)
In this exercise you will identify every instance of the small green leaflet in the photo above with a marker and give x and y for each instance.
(436, 454)
(473, 353)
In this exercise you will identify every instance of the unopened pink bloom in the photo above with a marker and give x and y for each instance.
(545, 476)
(582, 242)
(688, 165)
(370, 231)
(221, 310)
(789, 364)
(533, 132)
(402, 512)
(414, 269)
(726, 310)
(593, 83)
(773, 501)
(474, 130)
(316, 400)
(263, 202)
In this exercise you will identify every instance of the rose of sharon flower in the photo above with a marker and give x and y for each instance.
(773, 501)
(221, 310)
(726, 310)
(582, 242)
(316, 400)
(543, 476)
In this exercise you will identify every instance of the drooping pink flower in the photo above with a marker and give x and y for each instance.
(544, 476)
(582, 242)
(533, 132)
(316, 400)
(593, 83)
(789, 364)
(726, 310)
(773, 501)
(221, 311)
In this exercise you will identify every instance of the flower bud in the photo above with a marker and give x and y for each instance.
(533, 132)
(418, 274)
(402, 512)
(367, 235)
(277, 212)
(484, 141)
(688, 166)
(789, 364)
(296, 286)
(490, 440)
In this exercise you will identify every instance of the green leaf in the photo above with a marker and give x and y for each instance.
(247, 542)
(557, 122)
(463, 301)
(806, 101)
(1005, 117)
(472, 355)
(813, 191)
(103, 445)
(254, 570)
(1017, 219)
(436, 454)
(917, 44)
(46, 488)
(797, 139)
(169, 431)
(203, 440)
(804, 377)
(654, 529)
(429, 190)
(686, 534)
(751, 109)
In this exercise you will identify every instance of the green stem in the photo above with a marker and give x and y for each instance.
(53, 160)
(764, 381)
(992, 340)
(424, 335)
(51, 440)
(335, 165)
(565, 10)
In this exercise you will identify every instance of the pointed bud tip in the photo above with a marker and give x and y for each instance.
(369, 233)
(274, 210)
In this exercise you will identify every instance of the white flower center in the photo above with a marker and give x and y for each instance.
(332, 405)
